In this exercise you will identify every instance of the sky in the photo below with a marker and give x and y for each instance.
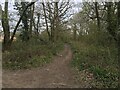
(11, 3)
(12, 10)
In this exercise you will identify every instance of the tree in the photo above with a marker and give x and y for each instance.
(5, 25)
(31, 19)
(30, 4)
(38, 21)
(55, 13)
(46, 19)
(97, 15)
(36, 26)
(118, 15)
(75, 32)
(27, 15)
(110, 20)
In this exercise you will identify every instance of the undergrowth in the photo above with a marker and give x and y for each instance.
(99, 60)
(34, 53)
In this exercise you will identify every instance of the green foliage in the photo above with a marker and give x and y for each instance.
(24, 35)
(99, 60)
(34, 53)
(96, 49)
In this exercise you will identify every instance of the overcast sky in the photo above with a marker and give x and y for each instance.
(75, 9)
(12, 10)
(11, 2)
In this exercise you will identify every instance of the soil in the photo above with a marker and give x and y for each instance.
(57, 74)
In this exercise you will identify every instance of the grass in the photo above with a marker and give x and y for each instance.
(99, 60)
(25, 55)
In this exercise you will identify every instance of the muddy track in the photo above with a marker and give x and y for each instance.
(57, 74)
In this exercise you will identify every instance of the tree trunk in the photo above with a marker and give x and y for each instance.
(51, 23)
(75, 32)
(111, 27)
(97, 15)
(118, 15)
(46, 21)
(25, 23)
(5, 25)
(56, 23)
(36, 27)
(38, 21)
(31, 19)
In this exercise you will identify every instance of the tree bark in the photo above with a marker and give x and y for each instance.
(118, 10)
(97, 15)
(5, 25)
(75, 32)
(51, 22)
(56, 17)
(46, 21)
(38, 21)
(31, 19)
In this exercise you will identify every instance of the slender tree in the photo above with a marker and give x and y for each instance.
(118, 18)
(75, 32)
(97, 15)
(57, 22)
(110, 20)
(31, 19)
(5, 25)
(46, 19)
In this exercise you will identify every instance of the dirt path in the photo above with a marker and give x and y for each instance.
(53, 75)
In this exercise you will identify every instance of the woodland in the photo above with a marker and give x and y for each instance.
(55, 38)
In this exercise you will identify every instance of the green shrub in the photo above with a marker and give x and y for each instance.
(34, 53)
(99, 60)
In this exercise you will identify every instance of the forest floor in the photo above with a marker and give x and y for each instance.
(57, 74)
